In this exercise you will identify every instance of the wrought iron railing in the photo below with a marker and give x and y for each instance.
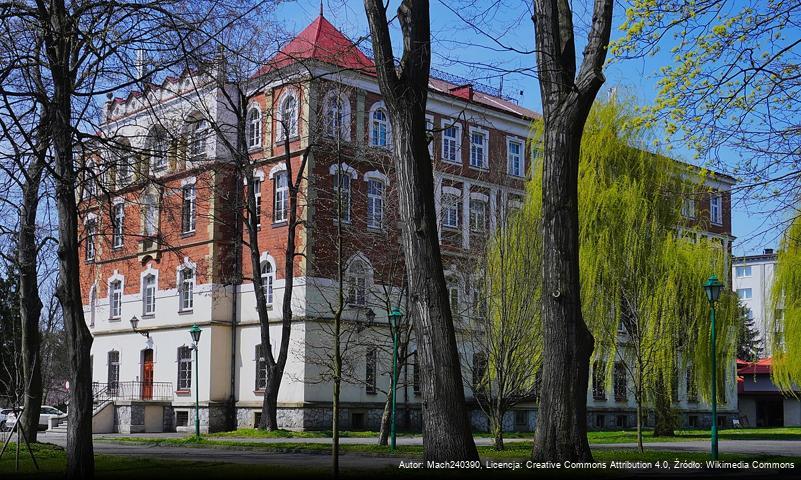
(132, 390)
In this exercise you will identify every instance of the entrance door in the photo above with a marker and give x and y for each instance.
(147, 374)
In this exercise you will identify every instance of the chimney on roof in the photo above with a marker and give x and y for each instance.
(768, 251)
(464, 91)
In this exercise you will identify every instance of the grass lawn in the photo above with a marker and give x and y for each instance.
(619, 436)
(52, 463)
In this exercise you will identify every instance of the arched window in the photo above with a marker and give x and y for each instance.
(289, 118)
(357, 283)
(379, 128)
(254, 127)
(197, 138)
(267, 277)
(150, 212)
(336, 115)
(186, 289)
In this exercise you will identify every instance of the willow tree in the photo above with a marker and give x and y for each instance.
(641, 271)
(786, 302)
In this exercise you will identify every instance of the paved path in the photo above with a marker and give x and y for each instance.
(751, 447)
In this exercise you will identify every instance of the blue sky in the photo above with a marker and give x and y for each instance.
(461, 50)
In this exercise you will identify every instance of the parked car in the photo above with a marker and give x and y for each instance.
(3, 414)
(44, 417)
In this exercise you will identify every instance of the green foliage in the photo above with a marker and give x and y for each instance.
(748, 342)
(635, 266)
(786, 302)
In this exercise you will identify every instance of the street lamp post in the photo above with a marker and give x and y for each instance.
(195, 333)
(394, 318)
(713, 288)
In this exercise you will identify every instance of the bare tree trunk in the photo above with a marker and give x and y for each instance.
(447, 433)
(496, 427)
(639, 416)
(566, 99)
(664, 421)
(386, 419)
(60, 46)
(30, 307)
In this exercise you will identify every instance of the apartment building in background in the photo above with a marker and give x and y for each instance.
(752, 280)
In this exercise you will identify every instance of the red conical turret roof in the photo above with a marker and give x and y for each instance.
(320, 41)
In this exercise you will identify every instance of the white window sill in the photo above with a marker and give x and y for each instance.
(479, 169)
(115, 319)
(451, 162)
(185, 312)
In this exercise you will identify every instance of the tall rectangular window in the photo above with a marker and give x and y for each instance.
(688, 208)
(621, 382)
(113, 371)
(187, 286)
(478, 149)
(415, 374)
(150, 213)
(124, 164)
(342, 189)
(451, 151)
(514, 157)
(450, 211)
(370, 370)
(115, 299)
(716, 209)
(118, 225)
(149, 295)
(257, 198)
(281, 197)
(375, 203)
(184, 368)
(478, 215)
(188, 209)
(479, 369)
(91, 227)
(261, 368)
(453, 297)
(598, 381)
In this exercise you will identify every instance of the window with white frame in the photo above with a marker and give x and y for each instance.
(257, 198)
(118, 223)
(254, 127)
(688, 208)
(357, 283)
(281, 197)
(267, 276)
(371, 368)
(289, 118)
(716, 209)
(157, 145)
(115, 298)
(335, 116)
(113, 377)
(451, 143)
(450, 210)
(186, 289)
(92, 305)
(91, 231)
(91, 180)
(149, 295)
(379, 128)
(478, 148)
(188, 209)
(478, 215)
(150, 214)
(124, 166)
(261, 368)
(184, 368)
(745, 293)
(514, 155)
(342, 184)
(453, 297)
(375, 203)
(743, 271)
(197, 138)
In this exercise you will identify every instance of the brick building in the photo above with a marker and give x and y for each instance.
(160, 237)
